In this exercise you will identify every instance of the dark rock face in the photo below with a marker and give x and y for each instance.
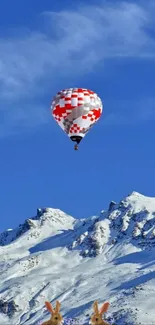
(8, 307)
(111, 206)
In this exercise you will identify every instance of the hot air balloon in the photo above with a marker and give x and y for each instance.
(76, 110)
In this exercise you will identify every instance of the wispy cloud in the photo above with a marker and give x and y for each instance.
(72, 44)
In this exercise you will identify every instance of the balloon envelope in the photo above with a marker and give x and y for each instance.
(76, 110)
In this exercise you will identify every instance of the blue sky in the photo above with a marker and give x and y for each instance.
(49, 45)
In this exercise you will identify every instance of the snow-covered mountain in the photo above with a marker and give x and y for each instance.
(107, 257)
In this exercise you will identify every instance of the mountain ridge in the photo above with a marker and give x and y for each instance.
(55, 256)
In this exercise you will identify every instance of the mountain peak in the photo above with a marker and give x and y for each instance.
(140, 201)
(134, 217)
(139, 196)
(47, 221)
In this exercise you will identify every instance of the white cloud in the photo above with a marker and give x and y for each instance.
(72, 44)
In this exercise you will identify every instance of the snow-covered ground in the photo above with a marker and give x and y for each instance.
(53, 256)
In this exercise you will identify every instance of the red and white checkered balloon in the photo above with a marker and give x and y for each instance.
(76, 110)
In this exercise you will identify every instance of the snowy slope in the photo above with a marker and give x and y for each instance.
(108, 257)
